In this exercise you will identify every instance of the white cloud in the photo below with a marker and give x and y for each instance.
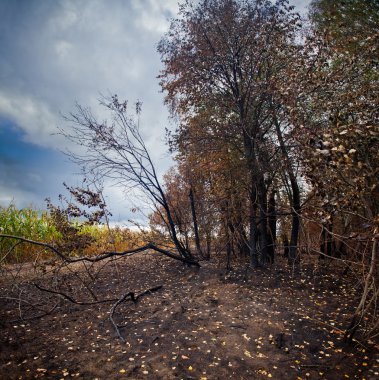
(76, 50)
(150, 14)
(31, 114)
(66, 16)
(63, 48)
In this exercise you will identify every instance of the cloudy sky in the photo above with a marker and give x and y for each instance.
(54, 53)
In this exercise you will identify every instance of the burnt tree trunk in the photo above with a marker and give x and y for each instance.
(272, 225)
(296, 208)
(208, 240)
(327, 242)
(239, 236)
(295, 199)
(195, 225)
(228, 251)
(286, 244)
(249, 145)
(264, 238)
(183, 251)
(253, 228)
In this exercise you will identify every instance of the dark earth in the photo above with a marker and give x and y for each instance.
(203, 323)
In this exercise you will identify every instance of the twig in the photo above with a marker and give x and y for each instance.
(9, 251)
(113, 309)
(315, 366)
(134, 300)
(69, 298)
(35, 316)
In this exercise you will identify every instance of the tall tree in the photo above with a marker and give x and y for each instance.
(220, 53)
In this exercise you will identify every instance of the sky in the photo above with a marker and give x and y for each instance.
(56, 53)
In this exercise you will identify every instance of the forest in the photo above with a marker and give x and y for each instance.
(260, 255)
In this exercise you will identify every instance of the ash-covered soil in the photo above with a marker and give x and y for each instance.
(202, 324)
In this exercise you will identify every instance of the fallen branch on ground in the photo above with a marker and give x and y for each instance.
(104, 255)
(134, 300)
(34, 317)
(72, 300)
(130, 295)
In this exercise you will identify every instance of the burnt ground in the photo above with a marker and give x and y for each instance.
(202, 324)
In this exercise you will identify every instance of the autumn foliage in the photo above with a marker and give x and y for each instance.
(276, 150)
(278, 135)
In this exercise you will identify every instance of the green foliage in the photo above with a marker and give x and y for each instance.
(71, 237)
(28, 223)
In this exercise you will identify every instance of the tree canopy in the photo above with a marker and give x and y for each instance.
(278, 128)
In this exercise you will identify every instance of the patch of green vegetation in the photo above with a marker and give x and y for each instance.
(28, 223)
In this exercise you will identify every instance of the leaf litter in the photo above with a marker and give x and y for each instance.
(203, 324)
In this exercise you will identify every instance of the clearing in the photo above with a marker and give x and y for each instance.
(202, 324)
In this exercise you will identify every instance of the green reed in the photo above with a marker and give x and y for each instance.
(27, 223)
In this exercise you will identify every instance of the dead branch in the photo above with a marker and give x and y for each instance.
(34, 317)
(130, 295)
(72, 300)
(369, 281)
(134, 300)
(104, 255)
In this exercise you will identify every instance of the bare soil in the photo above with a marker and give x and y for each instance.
(202, 324)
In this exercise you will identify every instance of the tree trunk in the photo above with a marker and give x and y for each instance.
(183, 251)
(249, 145)
(272, 225)
(327, 242)
(239, 236)
(285, 246)
(330, 246)
(322, 243)
(292, 255)
(263, 222)
(208, 239)
(195, 225)
(295, 201)
(253, 228)
(228, 251)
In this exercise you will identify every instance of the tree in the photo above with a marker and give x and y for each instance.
(331, 97)
(210, 155)
(85, 209)
(177, 196)
(117, 151)
(223, 56)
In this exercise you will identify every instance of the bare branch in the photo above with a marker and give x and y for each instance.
(105, 255)
(134, 300)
